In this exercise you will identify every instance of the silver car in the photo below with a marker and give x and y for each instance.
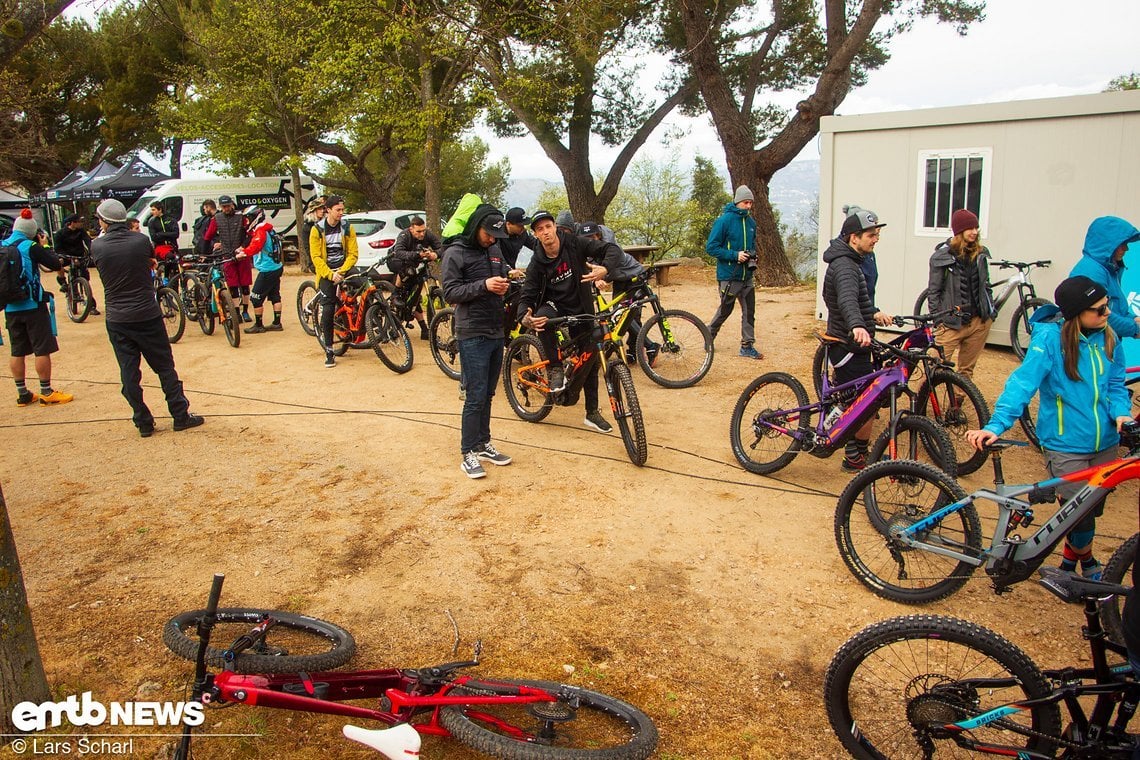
(376, 231)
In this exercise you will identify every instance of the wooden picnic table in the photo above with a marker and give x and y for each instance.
(658, 269)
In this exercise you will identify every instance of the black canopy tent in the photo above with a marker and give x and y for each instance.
(128, 184)
(88, 188)
(56, 191)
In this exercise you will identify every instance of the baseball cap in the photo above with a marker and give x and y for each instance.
(495, 225)
(586, 229)
(538, 216)
(859, 220)
(225, 200)
(517, 215)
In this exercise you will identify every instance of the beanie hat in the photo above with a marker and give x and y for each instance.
(1076, 294)
(859, 220)
(743, 194)
(963, 219)
(26, 225)
(566, 219)
(111, 211)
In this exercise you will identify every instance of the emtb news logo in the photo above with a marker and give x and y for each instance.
(85, 711)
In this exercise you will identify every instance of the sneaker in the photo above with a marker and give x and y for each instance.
(471, 466)
(424, 334)
(245, 317)
(557, 378)
(853, 464)
(255, 329)
(189, 421)
(749, 352)
(26, 399)
(96, 313)
(330, 360)
(56, 397)
(596, 421)
(274, 327)
(146, 431)
(1092, 572)
(493, 455)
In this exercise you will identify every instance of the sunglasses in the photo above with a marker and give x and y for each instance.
(1101, 310)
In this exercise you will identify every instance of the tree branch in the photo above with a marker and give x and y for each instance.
(30, 18)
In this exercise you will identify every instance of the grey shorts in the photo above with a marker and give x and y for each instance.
(1063, 462)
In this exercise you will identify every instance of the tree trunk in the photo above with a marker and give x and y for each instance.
(25, 24)
(303, 257)
(433, 193)
(176, 157)
(22, 677)
(772, 265)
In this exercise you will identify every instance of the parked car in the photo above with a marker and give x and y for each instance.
(376, 231)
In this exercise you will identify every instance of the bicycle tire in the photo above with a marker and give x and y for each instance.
(335, 645)
(1028, 423)
(627, 410)
(957, 418)
(1118, 570)
(922, 303)
(79, 299)
(434, 302)
(818, 362)
(206, 316)
(172, 315)
(676, 363)
(602, 727)
(892, 686)
(744, 453)
(529, 402)
(444, 344)
(307, 307)
(231, 320)
(1019, 328)
(188, 286)
(388, 338)
(887, 494)
(923, 435)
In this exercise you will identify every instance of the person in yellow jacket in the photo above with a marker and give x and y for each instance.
(332, 246)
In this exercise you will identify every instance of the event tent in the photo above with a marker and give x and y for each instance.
(126, 185)
(88, 188)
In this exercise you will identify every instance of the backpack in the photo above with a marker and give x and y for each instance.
(272, 247)
(13, 284)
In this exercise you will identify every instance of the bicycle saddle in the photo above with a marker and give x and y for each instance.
(399, 742)
(1072, 588)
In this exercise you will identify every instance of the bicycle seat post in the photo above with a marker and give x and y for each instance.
(999, 476)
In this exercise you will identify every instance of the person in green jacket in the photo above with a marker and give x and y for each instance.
(732, 242)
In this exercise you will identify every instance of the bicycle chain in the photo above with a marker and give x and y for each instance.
(1017, 727)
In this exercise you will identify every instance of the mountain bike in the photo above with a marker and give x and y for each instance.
(923, 685)
(674, 347)
(441, 331)
(206, 297)
(1028, 302)
(773, 419)
(362, 319)
(527, 383)
(945, 396)
(170, 303)
(280, 660)
(911, 534)
(420, 291)
(307, 296)
(76, 288)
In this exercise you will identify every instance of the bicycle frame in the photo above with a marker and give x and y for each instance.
(622, 317)
(581, 355)
(353, 305)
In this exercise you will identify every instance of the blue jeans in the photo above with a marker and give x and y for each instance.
(482, 361)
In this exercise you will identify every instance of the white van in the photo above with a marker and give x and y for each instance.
(182, 200)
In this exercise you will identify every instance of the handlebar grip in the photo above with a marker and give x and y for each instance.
(215, 594)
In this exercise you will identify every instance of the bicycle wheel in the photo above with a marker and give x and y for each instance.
(897, 494)
(684, 351)
(296, 643)
(1028, 422)
(526, 385)
(768, 414)
(231, 320)
(954, 402)
(188, 292)
(580, 725)
(79, 299)
(922, 303)
(1119, 571)
(627, 413)
(1019, 327)
(307, 306)
(891, 689)
(434, 302)
(388, 337)
(819, 365)
(444, 344)
(206, 316)
(172, 314)
(919, 439)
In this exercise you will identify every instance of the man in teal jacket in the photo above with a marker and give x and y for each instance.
(732, 242)
(1102, 261)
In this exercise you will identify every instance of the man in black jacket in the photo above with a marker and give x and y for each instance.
(72, 240)
(475, 279)
(851, 313)
(558, 283)
(134, 320)
(414, 246)
(517, 236)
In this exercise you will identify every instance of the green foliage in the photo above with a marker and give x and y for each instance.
(1130, 81)
(466, 171)
(651, 208)
(708, 195)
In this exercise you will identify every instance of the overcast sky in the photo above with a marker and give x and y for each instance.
(1024, 49)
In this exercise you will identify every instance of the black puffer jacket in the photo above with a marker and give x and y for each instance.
(845, 292)
(466, 267)
(946, 289)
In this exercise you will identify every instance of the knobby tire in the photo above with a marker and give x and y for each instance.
(760, 448)
(920, 439)
(684, 359)
(307, 307)
(1118, 570)
(1019, 328)
(971, 413)
(79, 299)
(530, 403)
(627, 413)
(231, 320)
(172, 314)
(388, 338)
(444, 344)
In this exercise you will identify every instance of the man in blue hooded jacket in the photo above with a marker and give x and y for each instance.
(1102, 261)
(732, 242)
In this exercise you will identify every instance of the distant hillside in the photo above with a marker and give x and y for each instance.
(525, 191)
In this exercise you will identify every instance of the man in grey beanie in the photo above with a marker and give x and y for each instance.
(134, 320)
(732, 242)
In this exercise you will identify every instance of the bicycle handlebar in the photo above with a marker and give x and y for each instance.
(923, 319)
(1022, 266)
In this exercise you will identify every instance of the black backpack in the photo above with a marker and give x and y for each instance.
(273, 243)
(13, 284)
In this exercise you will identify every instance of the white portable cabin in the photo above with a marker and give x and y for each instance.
(1036, 172)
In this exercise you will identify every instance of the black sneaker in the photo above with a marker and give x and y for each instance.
(189, 421)
(146, 431)
(490, 454)
(255, 329)
(274, 327)
(557, 378)
(330, 360)
(595, 420)
(853, 464)
(471, 466)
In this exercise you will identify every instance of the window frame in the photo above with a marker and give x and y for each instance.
(985, 154)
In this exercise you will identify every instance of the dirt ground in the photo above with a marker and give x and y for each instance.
(710, 597)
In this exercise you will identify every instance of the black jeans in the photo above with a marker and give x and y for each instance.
(549, 340)
(327, 289)
(134, 341)
(482, 360)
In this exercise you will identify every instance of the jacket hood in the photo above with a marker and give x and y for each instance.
(837, 250)
(1105, 235)
(481, 212)
(734, 209)
(1049, 313)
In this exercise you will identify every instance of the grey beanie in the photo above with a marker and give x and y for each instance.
(743, 193)
(26, 225)
(565, 219)
(111, 211)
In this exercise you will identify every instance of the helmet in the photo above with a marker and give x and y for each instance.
(255, 215)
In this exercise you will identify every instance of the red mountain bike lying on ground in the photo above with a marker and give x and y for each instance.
(281, 660)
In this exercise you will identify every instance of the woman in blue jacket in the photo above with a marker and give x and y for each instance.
(1077, 365)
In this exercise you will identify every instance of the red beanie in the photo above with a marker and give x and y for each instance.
(963, 219)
